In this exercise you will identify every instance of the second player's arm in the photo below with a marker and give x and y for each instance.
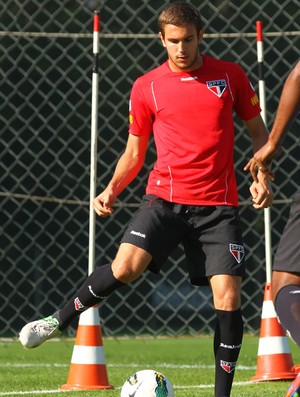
(127, 168)
(288, 108)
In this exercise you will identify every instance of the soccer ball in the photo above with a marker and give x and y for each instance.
(147, 383)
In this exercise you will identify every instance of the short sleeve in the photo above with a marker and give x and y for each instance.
(140, 115)
(246, 103)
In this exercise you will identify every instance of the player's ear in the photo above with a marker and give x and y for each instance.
(162, 39)
(200, 36)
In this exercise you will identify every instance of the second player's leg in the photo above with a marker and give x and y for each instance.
(286, 296)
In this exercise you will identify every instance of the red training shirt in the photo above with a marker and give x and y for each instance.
(191, 117)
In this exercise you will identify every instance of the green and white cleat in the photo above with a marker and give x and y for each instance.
(37, 332)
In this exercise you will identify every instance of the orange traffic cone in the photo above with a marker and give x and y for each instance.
(274, 361)
(88, 368)
(297, 369)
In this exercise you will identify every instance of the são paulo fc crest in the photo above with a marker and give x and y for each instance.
(78, 305)
(217, 86)
(237, 251)
(228, 366)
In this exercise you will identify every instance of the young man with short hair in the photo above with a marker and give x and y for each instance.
(191, 196)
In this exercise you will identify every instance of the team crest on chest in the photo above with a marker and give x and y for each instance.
(217, 86)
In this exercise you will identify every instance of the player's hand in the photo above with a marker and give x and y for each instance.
(261, 161)
(261, 191)
(254, 165)
(103, 203)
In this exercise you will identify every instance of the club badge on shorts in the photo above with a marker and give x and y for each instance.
(237, 251)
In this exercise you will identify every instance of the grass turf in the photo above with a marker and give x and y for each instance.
(187, 362)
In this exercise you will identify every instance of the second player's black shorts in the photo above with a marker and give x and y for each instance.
(287, 258)
(211, 236)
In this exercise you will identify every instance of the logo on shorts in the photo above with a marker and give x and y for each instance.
(228, 366)
(139, 234)
(237, 251)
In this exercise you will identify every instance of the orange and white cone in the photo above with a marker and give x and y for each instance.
(88, 367)
(274, 361)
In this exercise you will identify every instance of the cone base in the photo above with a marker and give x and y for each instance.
(274, 367)
(87, 377)
(90, 387)
(297, 368)
(273, 376)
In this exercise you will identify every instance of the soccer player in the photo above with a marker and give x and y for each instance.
(191, 196)
(286, 269)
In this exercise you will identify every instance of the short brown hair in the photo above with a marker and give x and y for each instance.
(179, 14)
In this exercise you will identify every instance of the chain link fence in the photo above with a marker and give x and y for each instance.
(45, 115)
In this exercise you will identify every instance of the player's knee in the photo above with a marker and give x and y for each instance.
(130, 263)
(226, 292)
(227, 300)
(125, 272)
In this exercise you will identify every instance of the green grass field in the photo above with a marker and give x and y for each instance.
(187, 362)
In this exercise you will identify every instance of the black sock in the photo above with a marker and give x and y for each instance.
(287, 306)
(99, 285)
(227, 345)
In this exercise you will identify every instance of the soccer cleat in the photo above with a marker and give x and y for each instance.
(37, 332)
(294, 389)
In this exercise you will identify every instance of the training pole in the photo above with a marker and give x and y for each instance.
(88, 366)
(262, 100)
(94, 128)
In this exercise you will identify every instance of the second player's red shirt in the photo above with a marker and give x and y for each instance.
(191, 117)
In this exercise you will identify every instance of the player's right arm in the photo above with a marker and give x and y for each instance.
(127, 168)
(288, 108)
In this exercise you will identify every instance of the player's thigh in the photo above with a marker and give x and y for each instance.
(216, 246)
(226, 291)
(130, 262)
(156, 228)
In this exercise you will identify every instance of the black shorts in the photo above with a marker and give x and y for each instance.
(211, 236)
(287, 258)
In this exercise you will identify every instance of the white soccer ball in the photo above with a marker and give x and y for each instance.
(147, 383)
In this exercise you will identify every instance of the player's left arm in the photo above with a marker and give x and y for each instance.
(258, 132)
(261, 190)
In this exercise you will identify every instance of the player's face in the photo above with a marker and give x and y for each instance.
(182, 45)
